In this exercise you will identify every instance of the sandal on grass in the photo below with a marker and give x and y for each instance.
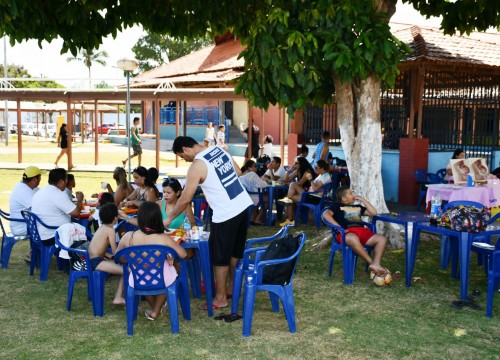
(149, 316)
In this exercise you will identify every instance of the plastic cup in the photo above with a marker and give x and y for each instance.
(86, 209)
(104, 185)
(195, 235)
(205, 236)
(273, 183)
(200, 231)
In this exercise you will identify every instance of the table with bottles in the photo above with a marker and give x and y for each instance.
(487, 194)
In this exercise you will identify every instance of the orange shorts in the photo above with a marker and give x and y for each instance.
(363, 233)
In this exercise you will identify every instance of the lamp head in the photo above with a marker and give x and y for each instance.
(127, 64)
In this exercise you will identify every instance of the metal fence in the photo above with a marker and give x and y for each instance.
(195, 115)
(460, 110)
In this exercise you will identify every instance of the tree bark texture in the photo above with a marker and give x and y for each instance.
(358, 112)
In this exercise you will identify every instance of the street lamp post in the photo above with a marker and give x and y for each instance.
(128, 65)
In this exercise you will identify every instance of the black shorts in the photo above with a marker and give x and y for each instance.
(137, 149)
(227, 239)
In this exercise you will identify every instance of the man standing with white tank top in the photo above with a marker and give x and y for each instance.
(217, 173)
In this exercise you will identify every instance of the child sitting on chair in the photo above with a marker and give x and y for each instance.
(103, 239)
(346, 214)
(104, 198)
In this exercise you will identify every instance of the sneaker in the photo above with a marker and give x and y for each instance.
(288, 222)
(286, 200)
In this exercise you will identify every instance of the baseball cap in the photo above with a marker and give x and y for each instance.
(31, 171)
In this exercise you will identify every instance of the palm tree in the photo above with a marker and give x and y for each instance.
(89, 58)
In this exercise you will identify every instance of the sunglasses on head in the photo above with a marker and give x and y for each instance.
(170, 181)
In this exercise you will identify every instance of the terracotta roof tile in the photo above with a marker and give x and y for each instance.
(432, 45)
(209, 59)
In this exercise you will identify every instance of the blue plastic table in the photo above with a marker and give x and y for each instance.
(206, 269)
(271, 191)
(409, 220)
(465, 241)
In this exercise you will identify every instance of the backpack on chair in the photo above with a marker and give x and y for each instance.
(281, 248)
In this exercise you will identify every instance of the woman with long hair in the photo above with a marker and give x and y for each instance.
(151, 233)
(172, 191)
(304, 173)
(146, 190)
(62, 142)
(252, 182)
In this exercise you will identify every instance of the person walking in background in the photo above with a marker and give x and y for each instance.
(62, 142)
(210, 134)
(136, 142)
(221, 137)
(255, 142)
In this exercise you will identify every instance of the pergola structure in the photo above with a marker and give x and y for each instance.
(97, 96)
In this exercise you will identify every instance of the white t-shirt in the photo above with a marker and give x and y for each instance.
(210, 135)
(222, 188)
(324, 178)
(221, 137)
(281, 172)
(20, 199)
(267, 149)
(53, 207)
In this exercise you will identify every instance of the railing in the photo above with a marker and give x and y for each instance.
(195, 115)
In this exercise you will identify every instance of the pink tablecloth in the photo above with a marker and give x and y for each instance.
(488, 195)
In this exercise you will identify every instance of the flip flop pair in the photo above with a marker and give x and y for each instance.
(228, 317)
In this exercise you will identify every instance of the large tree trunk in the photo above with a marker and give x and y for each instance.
(358, 113)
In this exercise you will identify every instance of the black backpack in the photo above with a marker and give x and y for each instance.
(262, 163)
(279, 274)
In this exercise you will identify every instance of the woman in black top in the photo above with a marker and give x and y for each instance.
(62, 142)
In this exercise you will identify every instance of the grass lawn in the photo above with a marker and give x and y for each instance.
(334, 321)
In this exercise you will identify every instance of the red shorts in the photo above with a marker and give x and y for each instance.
(364, 234)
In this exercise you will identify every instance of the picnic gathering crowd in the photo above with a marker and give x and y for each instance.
(231, 193)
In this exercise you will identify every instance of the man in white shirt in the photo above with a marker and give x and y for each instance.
(53, 206)
(21, 198)
(275, 171)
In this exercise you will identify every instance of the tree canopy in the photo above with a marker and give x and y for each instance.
(152, 50)
(16, 71)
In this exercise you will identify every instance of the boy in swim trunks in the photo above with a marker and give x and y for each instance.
(103, 239)
(346, 214)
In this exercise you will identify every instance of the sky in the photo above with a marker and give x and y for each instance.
(48, 62)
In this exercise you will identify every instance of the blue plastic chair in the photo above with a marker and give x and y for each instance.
(40, 254)
(146, 262)
(95, 279)
(441, 173)
(247, 262)
(492, 269)
(303, 206)
(254, 283)
(421, 177)
(349, 257)
(446, 248)
(8, 239)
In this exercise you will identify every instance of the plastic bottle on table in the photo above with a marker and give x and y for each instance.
(435, 207)
(187, 226)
